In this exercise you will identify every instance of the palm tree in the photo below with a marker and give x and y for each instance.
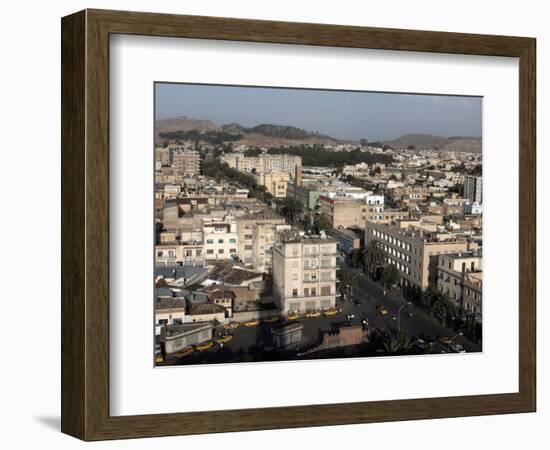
(390, 276)
(346, 279)
(398, 344)
(438, 303)
(373, 258)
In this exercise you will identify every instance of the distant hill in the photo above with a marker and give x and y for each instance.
(272, 135)
(261, 135)
(429, 141)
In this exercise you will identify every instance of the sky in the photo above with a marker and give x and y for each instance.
(340, 114)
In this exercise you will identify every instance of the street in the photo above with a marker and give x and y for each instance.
(255, 343)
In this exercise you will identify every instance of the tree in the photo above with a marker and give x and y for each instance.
(373, 258)
(390, 275)
(438, 304)
(322, 222)
(290, 208)
(399, 344)
(346, 279)
(356, 258)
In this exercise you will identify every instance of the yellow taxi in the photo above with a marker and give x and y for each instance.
(204, 346)
(330, 312)
(252, 323)
(313, 314)
(223, 339)
(293, 316)
(271, 319)
(382, 310)
(185, 352)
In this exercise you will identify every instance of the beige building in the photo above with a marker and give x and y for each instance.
(304, 273)
(460, 276)
(343, 213)
(246, 229)
(267, 163)
(414, 252)
(275, 182)
(186, 162)
(264, 236)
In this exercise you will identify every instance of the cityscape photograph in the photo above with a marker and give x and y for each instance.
(302, 224)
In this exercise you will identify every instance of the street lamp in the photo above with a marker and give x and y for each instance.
(460, 333)
(399, 316)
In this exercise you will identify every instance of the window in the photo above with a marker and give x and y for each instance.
(210, 252)
(232, 250)
(295, 277)
(325, 290)
(210, 241)
(232, 241)
(220, 251)
(220, 241)
(295, 292)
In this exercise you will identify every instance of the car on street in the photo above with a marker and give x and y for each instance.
(350, 316)
(382, 310)
(271, 319)
(252, 323)
(445, 340)
(293, 316)
(204, 346)
(419, 342)
(185, 352)
(330, 312)
(457, 348)
(231, 326)
(223, 339)
(313, 314)
(358, 303)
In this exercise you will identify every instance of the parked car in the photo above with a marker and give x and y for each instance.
(271, 319)
(313, 314)
(223, 339)
(330, 312)
(252, 323)
(419, 342)
(185, 352)
(350, 316)
(457, 348)
(382, 310)
(293, 316)
(204, 346)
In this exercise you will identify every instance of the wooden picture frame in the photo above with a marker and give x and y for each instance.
(85, 224)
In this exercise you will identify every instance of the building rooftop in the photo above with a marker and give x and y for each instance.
(228, 273)
(169, 303)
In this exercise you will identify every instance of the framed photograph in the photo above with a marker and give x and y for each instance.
(273, 225)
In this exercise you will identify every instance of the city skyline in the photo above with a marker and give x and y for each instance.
(346, 115)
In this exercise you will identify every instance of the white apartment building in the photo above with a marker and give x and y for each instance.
(304, 273)
(220, 238)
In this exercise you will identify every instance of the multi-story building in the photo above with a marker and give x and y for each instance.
(275, 182)
(414, 252)
(375, 208)
(264, 236)
(185, 161)
(459, 272)
(266, 163)
(473, 188)
(220, 238)
(343, 212)
(304, 273)
(246, 229)
(179, 254)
